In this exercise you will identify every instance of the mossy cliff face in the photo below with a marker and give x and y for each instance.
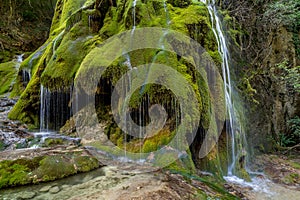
(261, 45)
(80, 26)
(24, 26)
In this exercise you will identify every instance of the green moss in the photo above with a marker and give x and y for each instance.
(44, 168)
(54, 167)
(8, 73)
(64, 63)
(13, 174)
(71, 50)
(27, 107)
(295, 164)
(2, 145)
(214, 183)
(180, 3)
(64, 10)
(52, 142)
(86, 163)
(157, 141)
(182, 21)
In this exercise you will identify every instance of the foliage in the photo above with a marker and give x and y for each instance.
(13, 174)
(294, 125)
(296, 40)
(285, 140)
(284, 12)
(290, 75)
(287, 13)
(293, 136)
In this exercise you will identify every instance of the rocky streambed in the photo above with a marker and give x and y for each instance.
(35, 165)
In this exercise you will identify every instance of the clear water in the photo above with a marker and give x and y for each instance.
(264, 189)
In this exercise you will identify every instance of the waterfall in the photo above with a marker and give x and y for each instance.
(19, 59)
(127, 80)
(26, 76)
(161, 42)
(133, 16)
(54, 44)
(54, 108)
(44, 109)
(234, 129)
(90, 20)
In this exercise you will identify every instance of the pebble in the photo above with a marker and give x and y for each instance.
(54, 190)
(45, 188)
(26, 195)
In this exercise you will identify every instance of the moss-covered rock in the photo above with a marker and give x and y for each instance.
(47, 165)
(80, 27)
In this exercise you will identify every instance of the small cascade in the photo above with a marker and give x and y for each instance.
(161, 41)
(54, 109)
(168, 21)
(37, 55)
(235, 134)
(26, 73)
(54, 43)
(26, 76)
(90, 22)
(134, 16)
(127, 80)
(19, 59)
(44, 109)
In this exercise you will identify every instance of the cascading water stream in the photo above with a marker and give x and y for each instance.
(134, 16)
(19, 59)
(44, 109)
(161, 41)
(233, 124)
(126, 82)
(54, 45)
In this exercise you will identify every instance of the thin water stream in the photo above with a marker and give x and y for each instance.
(260, 187)
(235, 133)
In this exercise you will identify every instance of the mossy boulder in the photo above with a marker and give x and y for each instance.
(43, 165)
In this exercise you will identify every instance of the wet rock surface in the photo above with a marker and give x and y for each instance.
(280, 169)
(32, 166)
(276, 177)
(13, 134)
(121, 181)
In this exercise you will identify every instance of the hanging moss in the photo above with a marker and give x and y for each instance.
(80, 26)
